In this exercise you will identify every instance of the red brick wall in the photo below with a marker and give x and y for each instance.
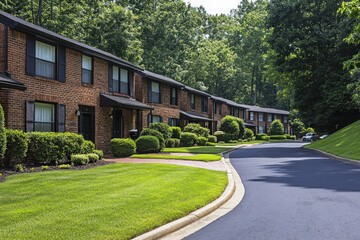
(72, 93)
(2, 52)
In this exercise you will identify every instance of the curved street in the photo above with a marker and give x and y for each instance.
(291, 193)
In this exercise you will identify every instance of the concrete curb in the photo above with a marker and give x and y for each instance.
(342, 159)
(200, 213)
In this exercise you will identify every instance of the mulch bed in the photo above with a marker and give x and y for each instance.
(8, 171)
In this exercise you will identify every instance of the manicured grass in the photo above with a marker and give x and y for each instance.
(117, 201)
(199, 157)
(199, 149)
(343, 143)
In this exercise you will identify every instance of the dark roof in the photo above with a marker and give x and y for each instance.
(18, 23)
(6, 82)
(193, 90)
(267, 110)
(162, 78)
(107, 100)
(194, 116)
(229, 102)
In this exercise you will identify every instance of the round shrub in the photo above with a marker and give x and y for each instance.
(220, 136)
(201, 141)
(176, 131)
(147, 144)
(93, 157)
(53, 143)
(210, 144)
(79, 159)
(241, 124)
(197, 129)
(177, 142)
(99, 153)
(276, 128)
(188, 139)
(163, 128)
(248, 133)
(87, 147)
(16, 145)
(228, 137)
(212, 139)
(73, 143)
(121, 147)
(260, 135)
(288, 136)
(170, 143)
(265, 138)
(229, 124)
(2, 133)
(155, 133)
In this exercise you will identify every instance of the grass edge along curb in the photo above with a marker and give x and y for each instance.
(342, 159)
(196, 215)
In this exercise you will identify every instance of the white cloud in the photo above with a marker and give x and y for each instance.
(215, 6)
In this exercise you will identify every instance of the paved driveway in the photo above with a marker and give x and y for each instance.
(291, 193)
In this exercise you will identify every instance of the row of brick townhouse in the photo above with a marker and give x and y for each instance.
(49, 82)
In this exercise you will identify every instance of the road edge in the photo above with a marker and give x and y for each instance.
(342, 159)
(234, 186)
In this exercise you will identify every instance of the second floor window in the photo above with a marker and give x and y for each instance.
(232, 111)
(285, 119)
(204, 104)
(219, 108)
(154, 92)
(120, 80)
(86, 70)
(270, 118)
(45, 58)
(173, 96)
(192, 101)
(44, 117)
(252, 116)
(261, 117)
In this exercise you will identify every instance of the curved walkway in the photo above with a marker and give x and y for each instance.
(291, 193)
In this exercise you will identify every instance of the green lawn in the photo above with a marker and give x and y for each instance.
(199, 157)
(254, 142)
(199, 149)
(117, 201)
(343, 143)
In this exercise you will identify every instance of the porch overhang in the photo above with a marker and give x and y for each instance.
(107, 100)
(194, 116)
(6, 82)
(250, 125)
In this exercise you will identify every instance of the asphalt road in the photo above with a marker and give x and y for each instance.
(290, 193)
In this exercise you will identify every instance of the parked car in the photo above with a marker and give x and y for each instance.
(323, 136)
(310, 137)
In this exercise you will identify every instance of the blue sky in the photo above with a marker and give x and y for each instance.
(215, 6)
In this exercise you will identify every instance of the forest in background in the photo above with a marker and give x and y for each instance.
(280, 54)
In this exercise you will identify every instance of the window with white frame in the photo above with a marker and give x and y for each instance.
(252, 116)
(86, 70)
(270, 119)
(261, 117)
(124, 81)
(156, 119)
(45, 60)
(261, 129)
(44, 117)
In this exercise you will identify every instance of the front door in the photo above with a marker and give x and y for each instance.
(87, 122)
(117, 124)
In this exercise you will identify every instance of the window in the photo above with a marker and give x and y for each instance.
(232, 111)
(214, 107)
(237, 112)
(154, 93)
(173, 96)
(244, 114)
(286, 130)
(252, 116)
(192, 101)
(154, 119)
(285, 119)
(261, 117)
(174, 122)
(44, 117)
(261, 129)
(275, 116)
(219, 108)
(204, 104)
(45, 60)
(116, 79)
(120, 80)
(86, 70)
(269, 118)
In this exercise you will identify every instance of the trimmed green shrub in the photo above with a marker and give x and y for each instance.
(188, 139)
(220, 136)
(233, 141)
(293, 137)
(288, 136)
(73, 143)
(212, 139)
(163, 128)
(210, 144)
(248, 133)
(176, 131)
(64, 166)
(241, 124)
(93, 158)
(228, 137)
(147, 144)
(99, 153)
(16, 145)
(260, 135)
(122, 147)
(87, 147)
(44, 167)
(276, 128)
(265, 138)
(80, 159)
(177, 142)
(170, 143)
(155, 133)
(197, 129)
(277, 137)
(229, 124)
(201, 141)
(2, 133)
(221, 142)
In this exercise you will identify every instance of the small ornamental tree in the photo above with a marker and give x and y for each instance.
(276, 128)
(230, 125)
(2, 133)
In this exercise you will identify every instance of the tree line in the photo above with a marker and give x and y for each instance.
(272, 53)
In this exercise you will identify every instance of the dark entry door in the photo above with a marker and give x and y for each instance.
(87, 122)
(117, 124)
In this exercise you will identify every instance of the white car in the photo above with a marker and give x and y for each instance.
(310, 137)
(323, 136)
